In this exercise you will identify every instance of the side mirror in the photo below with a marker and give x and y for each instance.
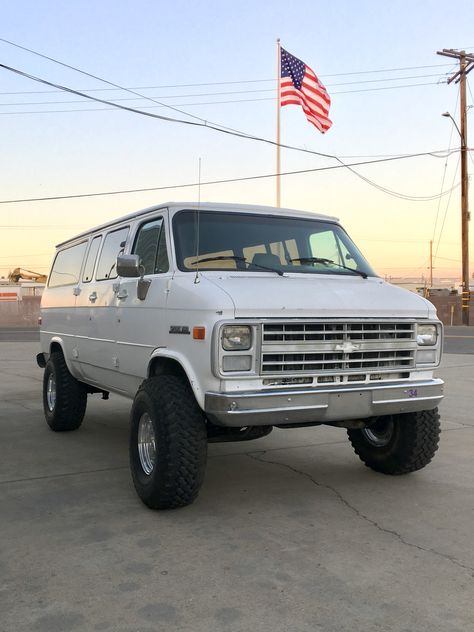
(129, 266)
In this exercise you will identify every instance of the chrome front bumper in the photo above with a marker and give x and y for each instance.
(263, 408)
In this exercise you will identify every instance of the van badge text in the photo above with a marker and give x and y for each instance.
(179, 329)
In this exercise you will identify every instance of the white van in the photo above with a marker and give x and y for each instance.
(221, 321)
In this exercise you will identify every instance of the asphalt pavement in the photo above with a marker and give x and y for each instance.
(290, 532)
(19, 334)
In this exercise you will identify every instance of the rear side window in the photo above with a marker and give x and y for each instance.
(113, 245)
(67, 266)
(150, 246)
(91, 259)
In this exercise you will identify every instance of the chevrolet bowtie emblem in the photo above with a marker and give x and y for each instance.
(347, 347)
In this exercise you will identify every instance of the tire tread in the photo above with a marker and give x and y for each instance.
(183, 456)
(415, 447)
(71, 396)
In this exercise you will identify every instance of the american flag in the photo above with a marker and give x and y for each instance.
(300, 86)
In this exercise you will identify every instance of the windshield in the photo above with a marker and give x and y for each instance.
(256, 243)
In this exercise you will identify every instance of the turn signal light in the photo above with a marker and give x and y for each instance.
(199, 333)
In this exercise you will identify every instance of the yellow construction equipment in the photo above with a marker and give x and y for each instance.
(19, 274)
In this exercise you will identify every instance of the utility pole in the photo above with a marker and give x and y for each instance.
(466, 64)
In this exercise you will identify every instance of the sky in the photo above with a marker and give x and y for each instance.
(361, 50)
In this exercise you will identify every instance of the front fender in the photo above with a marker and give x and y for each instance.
(191, 374)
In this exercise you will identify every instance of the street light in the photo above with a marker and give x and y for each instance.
(448, 115)
(465, 299)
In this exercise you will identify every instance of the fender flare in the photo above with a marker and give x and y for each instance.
(192, 376)
(59, 341)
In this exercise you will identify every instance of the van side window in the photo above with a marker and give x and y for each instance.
(67, 266)
(150, 245)
(91, 259)
(114, 244)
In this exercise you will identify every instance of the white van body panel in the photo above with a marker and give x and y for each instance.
(305, 295)
(59, 324)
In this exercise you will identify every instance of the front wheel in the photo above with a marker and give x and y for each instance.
(398, 444)
(168, 443)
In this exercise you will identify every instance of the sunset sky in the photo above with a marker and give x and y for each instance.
(217, 61)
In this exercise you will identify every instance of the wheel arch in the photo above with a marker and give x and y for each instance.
(162, 363)
(56, 344)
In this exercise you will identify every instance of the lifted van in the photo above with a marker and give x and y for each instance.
(222, 321)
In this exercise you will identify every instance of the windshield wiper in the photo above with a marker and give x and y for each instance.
(239, 259)
(328, 262)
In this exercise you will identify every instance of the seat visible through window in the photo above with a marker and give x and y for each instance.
(267, 259)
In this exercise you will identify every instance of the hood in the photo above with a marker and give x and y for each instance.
(318, 296)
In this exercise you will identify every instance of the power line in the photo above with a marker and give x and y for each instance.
(408, 85)
(176, 85)
(447, 259)
(117, 87)
(14, 262)
(126, 108)
(42, 254)
(224, 181)
(413, 267)
(222, 129)
(444, 174)
(221, 83)
(447, 207)
(207, 125)
(150, 107)
(393, 241)
(213, 94)
(88, 74)
(42, 226)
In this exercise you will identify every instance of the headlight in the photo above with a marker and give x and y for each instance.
(236, 337)
(426, 335)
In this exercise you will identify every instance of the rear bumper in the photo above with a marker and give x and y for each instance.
(262, 408)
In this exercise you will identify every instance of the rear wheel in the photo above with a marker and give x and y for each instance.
(168, 443)
(64, 397)
(398, 444)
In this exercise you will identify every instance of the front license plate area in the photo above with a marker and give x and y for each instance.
(350, 405)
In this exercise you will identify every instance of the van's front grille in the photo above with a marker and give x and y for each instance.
(291, 362)
(309, 332)
(322, 347)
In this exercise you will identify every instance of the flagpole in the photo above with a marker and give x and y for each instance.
(278, 125)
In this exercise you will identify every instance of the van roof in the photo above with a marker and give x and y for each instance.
(203, 206)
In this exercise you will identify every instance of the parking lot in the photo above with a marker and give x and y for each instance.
(290, 532)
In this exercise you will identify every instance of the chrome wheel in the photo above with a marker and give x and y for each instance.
(380, 433)
(146, 443)
(51, 392)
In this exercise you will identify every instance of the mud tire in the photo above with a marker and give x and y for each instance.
(398, 444)
(169, 471)
(64, 397)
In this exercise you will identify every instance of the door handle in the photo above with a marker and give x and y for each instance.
(122, 294)
(93, 297)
